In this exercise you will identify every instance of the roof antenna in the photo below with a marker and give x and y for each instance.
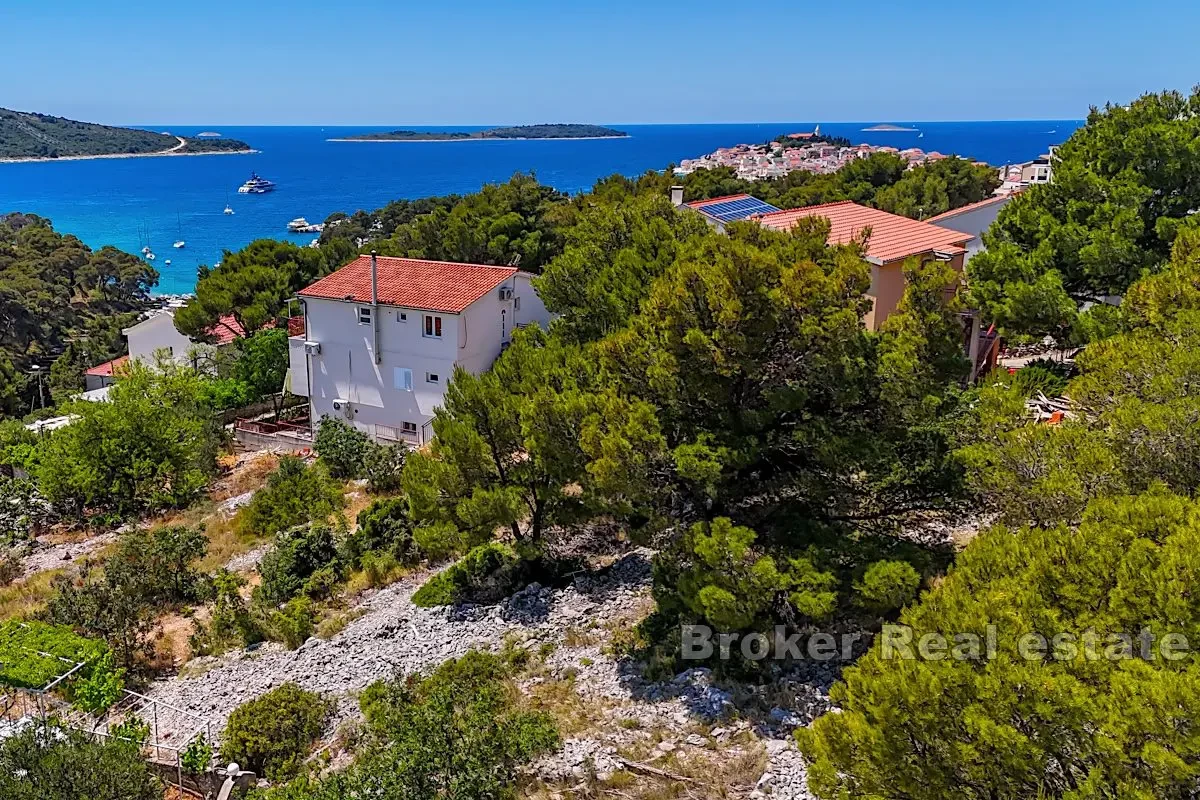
(515, 261)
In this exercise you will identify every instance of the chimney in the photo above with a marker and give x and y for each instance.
(677, 195)
(374, 278)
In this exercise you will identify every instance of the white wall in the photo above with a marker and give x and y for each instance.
(154, 334)
(346, 367)
(975, 222)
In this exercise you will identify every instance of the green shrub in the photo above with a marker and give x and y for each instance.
(294, 494)
(230, 622)
(24, 513)
(294, 624)
(383, 466)
(102, 684)
(341, 447)
(197, 756)
(68, 765)
(304, 560)
(486, 573)
(162, 561)
(273, 734)
(887, 586)
(385, 525)
(132, 729)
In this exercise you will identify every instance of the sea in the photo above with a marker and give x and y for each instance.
(137, 202)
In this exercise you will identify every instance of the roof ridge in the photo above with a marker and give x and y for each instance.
(969, 207)
(432, 261)
(830, 204)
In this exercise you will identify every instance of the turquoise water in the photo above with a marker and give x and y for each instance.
(134, 201)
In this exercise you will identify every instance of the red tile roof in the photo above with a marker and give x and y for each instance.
(412, 283)
(892, 237)
(226, 330)
(108, 368)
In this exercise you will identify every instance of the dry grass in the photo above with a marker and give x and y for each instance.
(249, 474)
(25, 597)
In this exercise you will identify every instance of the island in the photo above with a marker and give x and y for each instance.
(29, 136)
(890, 129)
(559, 131)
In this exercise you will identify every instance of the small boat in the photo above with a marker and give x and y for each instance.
(228, 210)
(167, 262)
(180, 244)
(145, 249)
(149, 256)
(256, 185)
(298, 225)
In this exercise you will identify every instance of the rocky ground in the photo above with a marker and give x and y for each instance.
(616, 721)
(47, 554)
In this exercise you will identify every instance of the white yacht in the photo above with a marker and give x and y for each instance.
(228, 210)
(180, 244)
(256, 185)
(298, 225)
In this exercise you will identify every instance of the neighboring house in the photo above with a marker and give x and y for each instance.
(720, 210)
(893, 240)
(973, 219)
(382, 337)
(156, 337)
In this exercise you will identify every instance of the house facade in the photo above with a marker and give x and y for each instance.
(382, 337)
(973, 219)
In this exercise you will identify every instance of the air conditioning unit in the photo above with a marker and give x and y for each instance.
(312, 348)
(343, 407)
(506, 293)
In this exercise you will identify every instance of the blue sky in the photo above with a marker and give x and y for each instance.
(523, 61)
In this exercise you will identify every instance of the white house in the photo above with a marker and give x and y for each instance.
(155, 337)
(383, 336)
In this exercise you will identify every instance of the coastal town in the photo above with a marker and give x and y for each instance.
(810, 151)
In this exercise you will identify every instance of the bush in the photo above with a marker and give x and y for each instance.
(34, 653)
(102, 685)
(294, 494)
(230, 623)
(68, 765)
(23, 512)
(485, 574)
(302, 560)
(383, 467)
(273, 734)
(342, 448)
(385, 525)
(197, 756)
(294, 624)
(162, 561)
(887, 586)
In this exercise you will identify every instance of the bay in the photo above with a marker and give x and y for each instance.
(131, 202)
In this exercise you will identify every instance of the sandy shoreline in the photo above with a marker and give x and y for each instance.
(163, 154)
(486, 139)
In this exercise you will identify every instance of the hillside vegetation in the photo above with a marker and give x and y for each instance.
(32, 135)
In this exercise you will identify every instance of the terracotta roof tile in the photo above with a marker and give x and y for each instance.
(108, 368)
(412, 283)
(892, 237)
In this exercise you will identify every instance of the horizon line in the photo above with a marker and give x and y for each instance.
(892, 121)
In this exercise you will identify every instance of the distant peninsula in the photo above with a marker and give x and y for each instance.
(27, 136)
(564, 131)
(890, 128)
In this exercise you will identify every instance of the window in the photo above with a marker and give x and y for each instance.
(403, 379)
(431, 377)
(401, 316)
(364, 315)
(433, 327)
(409, 427)
(517, 303)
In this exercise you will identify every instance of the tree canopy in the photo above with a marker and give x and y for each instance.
(1123, 185)
(60, 301)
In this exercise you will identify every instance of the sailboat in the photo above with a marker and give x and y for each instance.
(179, 245)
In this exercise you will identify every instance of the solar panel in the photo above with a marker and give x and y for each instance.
(737, 209)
